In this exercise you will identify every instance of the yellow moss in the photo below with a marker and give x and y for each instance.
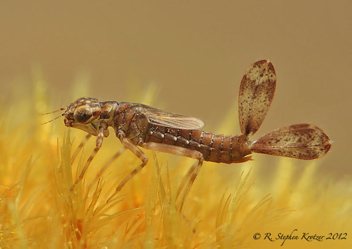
(38, 210)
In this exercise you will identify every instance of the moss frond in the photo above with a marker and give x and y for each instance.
(227, 205)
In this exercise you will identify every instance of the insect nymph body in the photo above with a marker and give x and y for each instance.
(137, 125)
(141, 124)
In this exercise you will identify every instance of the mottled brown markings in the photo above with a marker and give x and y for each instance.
(197, 140)
(215, 154)
(177, 133)
(190, 135)
(225, 150)
(256, 94)
(301, 141)
(140, 125)
(222, 143)
(201, 137)
(212, 140)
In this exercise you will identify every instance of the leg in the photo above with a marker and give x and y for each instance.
(129, 145)
(190, 182)
(192, 173)
(80, 147)
(112, 159)
(99, 142)
(185, 178)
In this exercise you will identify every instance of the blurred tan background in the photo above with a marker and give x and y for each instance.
(195, 52)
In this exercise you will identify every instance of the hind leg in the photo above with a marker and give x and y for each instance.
(191, 174)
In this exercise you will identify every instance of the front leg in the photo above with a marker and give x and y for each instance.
(103, 126)
(79, 148)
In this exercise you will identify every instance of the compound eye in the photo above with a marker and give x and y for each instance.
(82, 114)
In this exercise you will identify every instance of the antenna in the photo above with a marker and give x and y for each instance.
(61, 109)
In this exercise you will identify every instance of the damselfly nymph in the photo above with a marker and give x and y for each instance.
(137, 125)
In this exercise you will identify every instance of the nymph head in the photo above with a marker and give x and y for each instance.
(82, 114)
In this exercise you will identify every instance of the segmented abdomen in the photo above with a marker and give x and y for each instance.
(215, 148)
